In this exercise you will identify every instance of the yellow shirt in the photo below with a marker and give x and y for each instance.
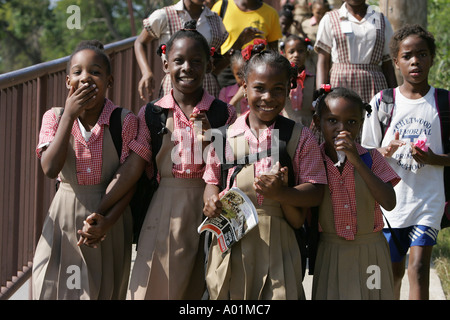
(265, 19)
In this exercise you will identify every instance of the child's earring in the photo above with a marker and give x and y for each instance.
(245, 94)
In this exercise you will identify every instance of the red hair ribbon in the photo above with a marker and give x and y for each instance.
(247, 51)
(163, 48)
(326, 87)
(212, 51)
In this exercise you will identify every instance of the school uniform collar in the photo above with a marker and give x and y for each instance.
(344, 14)
(240, 126)
(168, 102)
(108, 108)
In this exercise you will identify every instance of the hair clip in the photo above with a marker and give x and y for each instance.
(212, 51)
(161, 50)
(326, 87)
(308, 44)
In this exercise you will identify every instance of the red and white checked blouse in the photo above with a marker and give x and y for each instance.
(307, 162)
(88, 154)
(343, 195)
(187, 158)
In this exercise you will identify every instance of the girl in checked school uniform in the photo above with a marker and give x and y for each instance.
(234, 94)
(353, 49)
(266, 262)
(76, 146)
(350, 218)
(170, 258)
(299, 105)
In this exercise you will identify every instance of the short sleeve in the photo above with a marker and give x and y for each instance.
(156, 24)
(383, 170)
(274, 28)
(129, 133)
(141, 145)
(48, 130)
(324, 39)
(308, 163)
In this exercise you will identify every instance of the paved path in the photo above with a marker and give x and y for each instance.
(436, 292)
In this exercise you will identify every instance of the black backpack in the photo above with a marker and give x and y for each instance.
(155, 118)
(286, 129)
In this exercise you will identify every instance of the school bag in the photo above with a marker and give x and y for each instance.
(155, 119)
(289, 134)
(442, 99)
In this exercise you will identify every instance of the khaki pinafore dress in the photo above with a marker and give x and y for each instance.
(266, 263)
(358, 269)
(170, 258)
(63, 270)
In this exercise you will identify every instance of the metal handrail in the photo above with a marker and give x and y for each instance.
(25, 193)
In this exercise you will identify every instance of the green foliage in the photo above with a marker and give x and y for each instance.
(36, 31)
(438, 25)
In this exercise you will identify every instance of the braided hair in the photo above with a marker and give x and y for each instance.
(325, 93)
(95, 46)
(256, 55)
(189, 30)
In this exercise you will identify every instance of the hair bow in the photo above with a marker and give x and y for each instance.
(326, 87)
(257, 43)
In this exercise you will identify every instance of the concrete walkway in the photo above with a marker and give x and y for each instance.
(436, 292)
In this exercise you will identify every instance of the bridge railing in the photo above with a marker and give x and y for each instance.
(25, 193)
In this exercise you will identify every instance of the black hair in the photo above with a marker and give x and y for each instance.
(407, 31)
(287, 11)
(323, 3)
(261, 56)
(322, 96)
(291, 37)
(189, 30)
(95, 46)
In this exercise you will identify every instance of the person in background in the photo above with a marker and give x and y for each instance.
(353, 50)
(234, 94)
(309, 29)
(163, 23)
(246, 20)
(299, 105)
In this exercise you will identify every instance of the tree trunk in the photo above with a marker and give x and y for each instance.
(403, 12)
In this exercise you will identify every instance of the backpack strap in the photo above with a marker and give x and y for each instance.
(155, 119)
(115, 127)
(223, 8)
(442, 98)
(288, 142)
(387, 103)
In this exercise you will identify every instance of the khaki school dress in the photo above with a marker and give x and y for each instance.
(266, 263)
(63, 270)
(170, 259)
(358, 269)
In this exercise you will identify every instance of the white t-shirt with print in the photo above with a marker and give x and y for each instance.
(420, 193)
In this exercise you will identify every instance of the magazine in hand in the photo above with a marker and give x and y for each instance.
(238, 217)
